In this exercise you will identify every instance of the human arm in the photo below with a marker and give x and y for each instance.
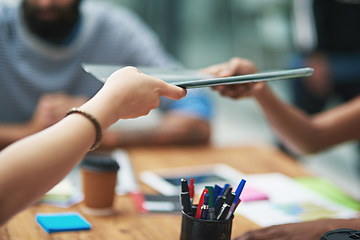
(299, 231)
(304, 134)
(33, 165)
(300, 132)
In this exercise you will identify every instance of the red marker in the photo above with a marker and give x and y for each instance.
(191, 190)
(201, 202)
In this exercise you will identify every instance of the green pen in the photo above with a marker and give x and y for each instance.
(211, 202)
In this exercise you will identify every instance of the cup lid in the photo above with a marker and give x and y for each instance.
(99, 163)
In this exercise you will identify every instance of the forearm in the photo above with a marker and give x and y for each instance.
(41, 161)
(344, 223)
(294, 128)
(173, 130)
(301, 230)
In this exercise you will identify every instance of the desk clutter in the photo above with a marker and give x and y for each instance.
(275, 193)
(268, 199)
(208, 200)
(296, 200)
(168, 182)
(65, 194)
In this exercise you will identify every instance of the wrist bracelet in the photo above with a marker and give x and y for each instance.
(94, 122)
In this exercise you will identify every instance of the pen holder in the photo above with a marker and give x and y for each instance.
(198, 229)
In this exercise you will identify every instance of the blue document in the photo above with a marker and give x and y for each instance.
(60, 222)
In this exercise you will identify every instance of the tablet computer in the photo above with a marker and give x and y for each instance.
(249, 78)
(194, 79)
(167, 181)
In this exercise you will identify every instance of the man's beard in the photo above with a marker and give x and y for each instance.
(55, 30)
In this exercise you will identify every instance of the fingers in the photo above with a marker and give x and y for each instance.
(235, 66)
(173, 92)
(241, 66)
(235, 91)
(167, 90)
(214, 69)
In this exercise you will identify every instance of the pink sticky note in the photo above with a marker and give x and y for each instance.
(251, 194)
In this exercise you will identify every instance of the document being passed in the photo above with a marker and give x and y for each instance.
(188, 78)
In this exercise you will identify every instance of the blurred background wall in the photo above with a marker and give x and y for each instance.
(204, 32)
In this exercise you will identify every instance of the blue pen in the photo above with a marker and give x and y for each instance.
(240, 188)
(237, 197)
(224, 188)
(205, 207)
(216, 192)
(221, 193)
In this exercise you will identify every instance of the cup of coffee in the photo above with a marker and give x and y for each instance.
(99, 174)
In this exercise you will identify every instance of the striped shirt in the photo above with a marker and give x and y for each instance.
(30, 66)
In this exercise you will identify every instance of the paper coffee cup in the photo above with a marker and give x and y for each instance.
(99, 175)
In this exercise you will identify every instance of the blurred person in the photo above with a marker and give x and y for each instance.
(127, 94)
(42, 47)
(299, 132)
(326, 39)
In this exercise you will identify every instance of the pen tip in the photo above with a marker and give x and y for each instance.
(192, 180)
(206, 198)
(184, 185)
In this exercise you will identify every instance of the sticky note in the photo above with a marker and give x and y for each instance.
(60, 222)
(250, 194)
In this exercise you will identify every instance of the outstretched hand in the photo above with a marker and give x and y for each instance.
(128, 93)
(235, 66)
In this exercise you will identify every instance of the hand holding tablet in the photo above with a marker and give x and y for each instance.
(249, 78)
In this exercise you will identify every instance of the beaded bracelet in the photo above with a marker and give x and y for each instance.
(95, 123)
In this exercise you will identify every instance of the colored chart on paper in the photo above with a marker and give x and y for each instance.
(307, 211)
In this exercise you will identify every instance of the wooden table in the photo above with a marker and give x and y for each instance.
(128, 224)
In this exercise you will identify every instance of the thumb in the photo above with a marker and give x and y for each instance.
(173, 92)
